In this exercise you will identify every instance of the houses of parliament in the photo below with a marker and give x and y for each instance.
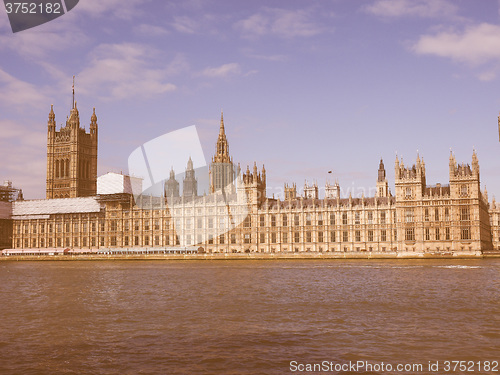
(237, 216)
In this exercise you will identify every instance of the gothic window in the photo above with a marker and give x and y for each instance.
(221, 239)
(233, 238)
(308, 236)
(297, 237)
(262, 220)
(382, 217)
(358, 235)
(436, 214)
(296, 220)
(308, 219)
(273, 237)
(426, 217)
(285, 220)
(370, 217)
(465, 233)
(357, 218)
(273, 220)
(320, 236)
(447, 233)
(285, 237)
(446, 214)
(410, 234)
(345, 236)
(262, 238)
(344, 218)
(409, 215)
(247, 238)
(463, 190)
(408, 192)
(320, 219)
(57, 168)
(247, 223)
(332, 236)
(383, 235)
(67, 168)
(332, 218)
(370, 236)
(427, 234)
(437, 234)
(464, 214)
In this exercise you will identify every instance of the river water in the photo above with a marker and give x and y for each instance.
(247, 317)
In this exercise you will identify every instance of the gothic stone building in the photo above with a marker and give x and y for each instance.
(237, 216)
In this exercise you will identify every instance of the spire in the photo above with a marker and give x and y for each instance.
(172, 174)
(381, 171)
(190, 164)
(52, 118)
(222, 147)
(222, 130)
(73, 104)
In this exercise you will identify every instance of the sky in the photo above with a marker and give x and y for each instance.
(306, 86)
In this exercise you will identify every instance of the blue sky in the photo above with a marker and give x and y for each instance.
(306, 86)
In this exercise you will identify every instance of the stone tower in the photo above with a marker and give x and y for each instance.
(382, 184)
(190, 185)
(410, 182)
(71, 156)
(172, 186)
(290, 192)
(221, 168)
(254, 185)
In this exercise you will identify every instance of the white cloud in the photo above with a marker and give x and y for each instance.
(43, 40)
(185, 25)
(116, 8)
(150, 30)
(222, 71)
(420, 8)
(17, 93)
(24, 150)
(476, 45)
(119, 71)
(281, 22)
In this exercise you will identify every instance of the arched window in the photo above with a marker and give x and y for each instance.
(67, 168)
(57, 169)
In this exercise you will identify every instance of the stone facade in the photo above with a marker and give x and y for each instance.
(419, 218)
(71, 157)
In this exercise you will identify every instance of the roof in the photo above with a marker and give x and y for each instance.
(55, 206)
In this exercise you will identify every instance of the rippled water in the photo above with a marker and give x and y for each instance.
(243, 317)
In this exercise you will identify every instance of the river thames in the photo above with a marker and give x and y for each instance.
(247, 317)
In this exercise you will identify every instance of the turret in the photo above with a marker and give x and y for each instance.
(475, 164)
(51, 124)
(93, 123)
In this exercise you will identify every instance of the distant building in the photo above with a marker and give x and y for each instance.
(8, 194)
(453, 218)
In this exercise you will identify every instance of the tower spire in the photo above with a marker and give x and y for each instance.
(222, 130)
(73, 87)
